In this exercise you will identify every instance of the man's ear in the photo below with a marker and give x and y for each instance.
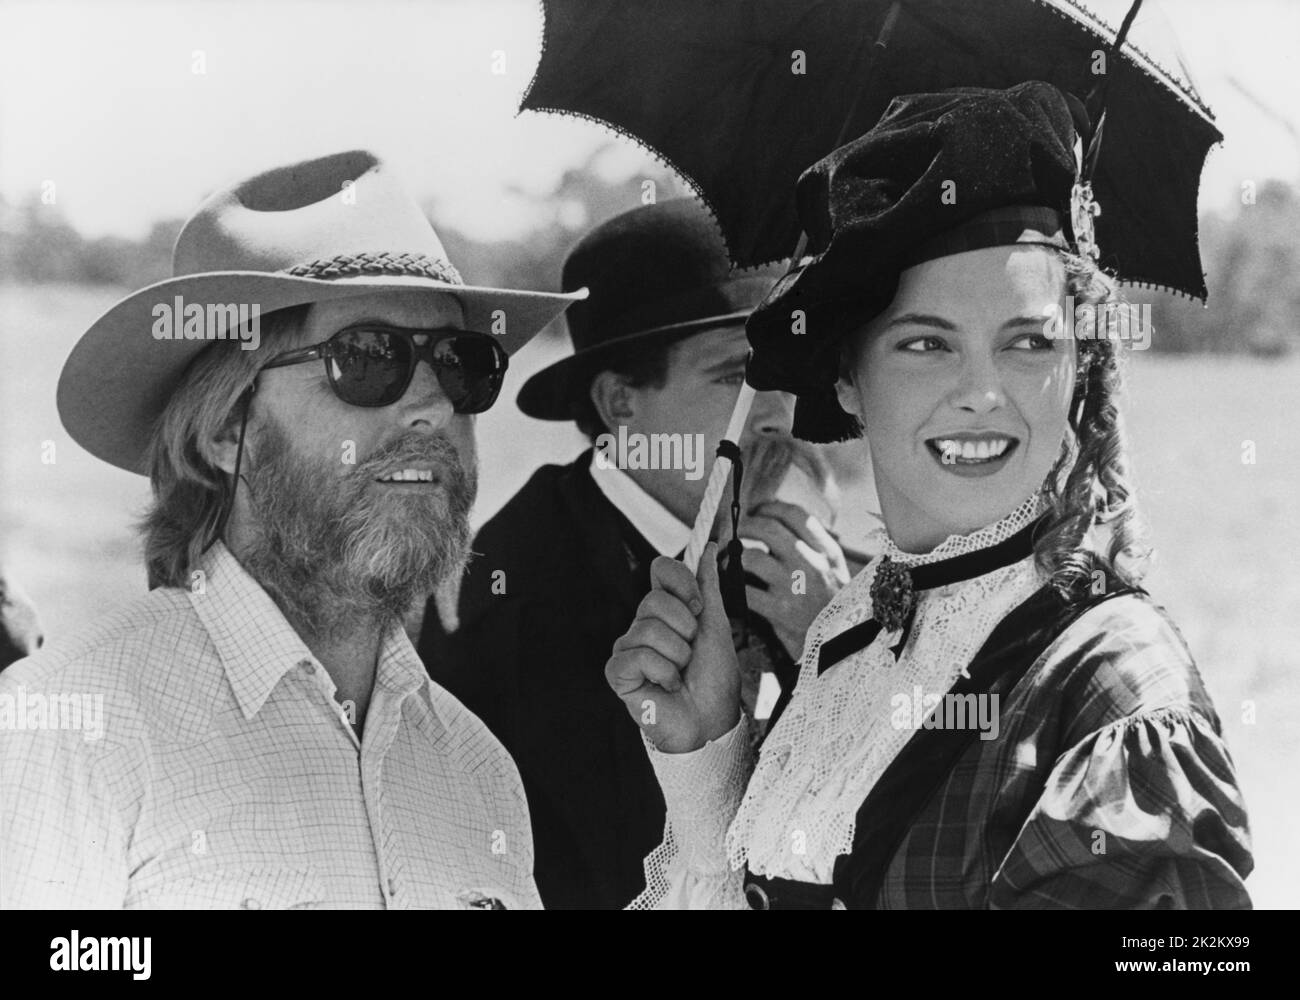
(221, 448)
(613, 399)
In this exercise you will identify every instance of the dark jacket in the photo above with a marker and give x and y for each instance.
(556, 577)
(1107, 784)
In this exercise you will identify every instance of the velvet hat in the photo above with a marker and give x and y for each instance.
(939, 174)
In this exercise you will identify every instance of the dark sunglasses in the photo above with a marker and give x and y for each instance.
(372, 365)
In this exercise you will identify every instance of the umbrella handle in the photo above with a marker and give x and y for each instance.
(717, 482)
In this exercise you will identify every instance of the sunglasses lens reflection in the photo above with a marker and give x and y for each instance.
(368, 367)
(373, 368)
(469, 370)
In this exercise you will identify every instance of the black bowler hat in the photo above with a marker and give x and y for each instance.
(658, 271)
(939, 174)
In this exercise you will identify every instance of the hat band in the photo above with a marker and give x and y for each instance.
(1035, 225)
(350, 265)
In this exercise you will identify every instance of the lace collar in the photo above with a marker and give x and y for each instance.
(956, 545)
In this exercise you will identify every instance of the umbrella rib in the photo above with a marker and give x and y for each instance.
(1142, 60)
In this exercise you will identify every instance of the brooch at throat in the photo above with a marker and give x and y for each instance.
(892, 596)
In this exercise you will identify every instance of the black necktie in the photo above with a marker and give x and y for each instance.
(927, 577)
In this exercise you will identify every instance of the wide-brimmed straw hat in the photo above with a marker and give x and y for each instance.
(323, 229)
(657, 272)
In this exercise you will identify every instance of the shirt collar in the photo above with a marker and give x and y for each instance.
(256, 643)
(657, 524)
(258, 646)
(400, 668)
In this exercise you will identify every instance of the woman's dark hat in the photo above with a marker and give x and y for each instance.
(658, 271)
(939, 174)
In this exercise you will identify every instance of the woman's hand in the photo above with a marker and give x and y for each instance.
(675, 668)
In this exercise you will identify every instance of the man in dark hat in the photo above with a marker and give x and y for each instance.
(660, 354)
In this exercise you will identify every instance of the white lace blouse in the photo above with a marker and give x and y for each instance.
(796, 814)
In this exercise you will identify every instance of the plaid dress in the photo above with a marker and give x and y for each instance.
(1109, 786)
(1106, 786)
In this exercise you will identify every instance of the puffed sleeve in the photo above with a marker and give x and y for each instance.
(1143, 813)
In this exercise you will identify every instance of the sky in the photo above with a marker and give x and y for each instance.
(102, 99)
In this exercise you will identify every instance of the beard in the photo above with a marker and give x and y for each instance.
(335, 552)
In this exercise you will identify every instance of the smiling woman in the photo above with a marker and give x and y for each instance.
(1100, 778)
(970, 407)
(956, 366)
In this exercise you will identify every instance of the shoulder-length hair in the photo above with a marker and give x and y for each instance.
(190, 491)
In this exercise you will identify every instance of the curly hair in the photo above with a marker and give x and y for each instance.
(190, 491)
(1090, 488)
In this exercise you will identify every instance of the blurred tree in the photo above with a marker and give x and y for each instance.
(582, 198)
(38, 245)
(1252, 266)
(1251, 256)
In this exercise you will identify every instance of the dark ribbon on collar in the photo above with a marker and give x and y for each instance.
(895, 586)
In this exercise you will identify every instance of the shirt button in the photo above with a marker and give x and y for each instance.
(392, 887)
(251, 904)
(308, 666)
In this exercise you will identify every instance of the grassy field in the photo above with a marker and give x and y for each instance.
(1226, 529)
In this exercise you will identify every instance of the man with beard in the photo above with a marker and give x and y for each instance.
(660, 354)
(301, 394)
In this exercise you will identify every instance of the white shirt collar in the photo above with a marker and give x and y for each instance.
(258, 646)
(657, 524)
